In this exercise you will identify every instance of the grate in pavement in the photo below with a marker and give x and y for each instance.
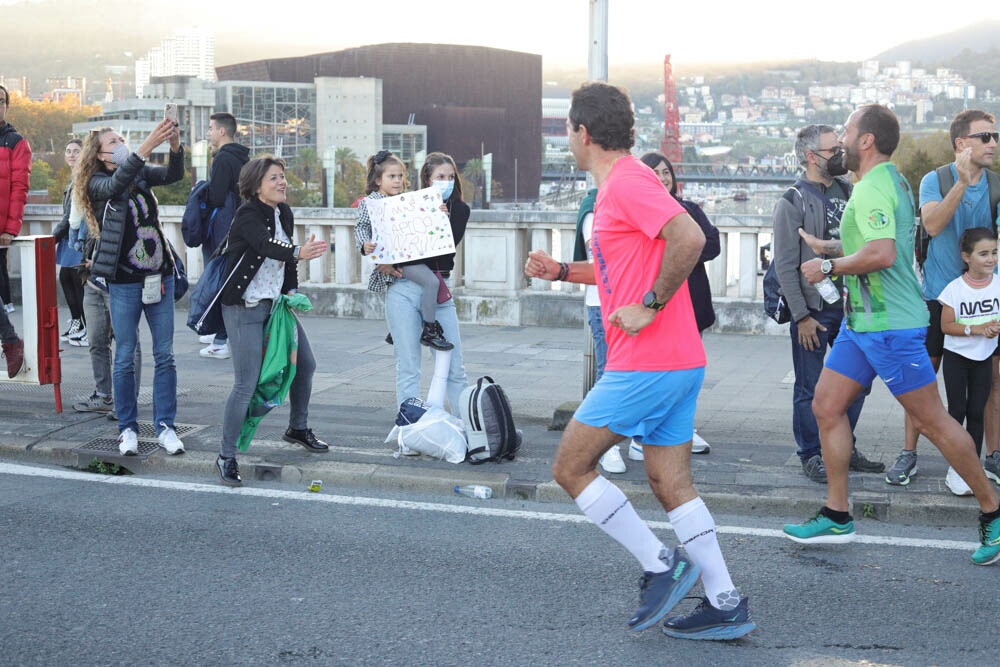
(148, 430)
(102, 446)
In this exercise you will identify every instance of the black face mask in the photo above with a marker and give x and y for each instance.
(835, 164)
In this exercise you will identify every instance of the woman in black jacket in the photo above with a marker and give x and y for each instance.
(114, 187)
(260, 243)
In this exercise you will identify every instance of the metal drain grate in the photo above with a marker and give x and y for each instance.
(102, 446)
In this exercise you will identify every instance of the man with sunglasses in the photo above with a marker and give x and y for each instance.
(814, 204)
(885, 325)
(946, 217)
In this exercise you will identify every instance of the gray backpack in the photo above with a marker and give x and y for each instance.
(489, 423)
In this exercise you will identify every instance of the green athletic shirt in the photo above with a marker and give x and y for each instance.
(881, 207)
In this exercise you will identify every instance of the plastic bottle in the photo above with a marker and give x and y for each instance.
(828, 290)
(474, 491)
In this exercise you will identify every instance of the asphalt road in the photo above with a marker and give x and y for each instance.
(156, 571)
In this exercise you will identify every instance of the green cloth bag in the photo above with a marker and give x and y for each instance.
(281, 345)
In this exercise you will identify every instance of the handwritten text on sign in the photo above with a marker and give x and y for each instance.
(410, 226)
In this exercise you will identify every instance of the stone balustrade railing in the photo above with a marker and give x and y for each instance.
(488, 281)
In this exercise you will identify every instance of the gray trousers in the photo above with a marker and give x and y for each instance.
(96, 310)
(245, 327)
(429, 285)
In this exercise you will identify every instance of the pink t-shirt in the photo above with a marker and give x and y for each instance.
(632, 207)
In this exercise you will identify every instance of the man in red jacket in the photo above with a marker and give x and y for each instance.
(15, 171)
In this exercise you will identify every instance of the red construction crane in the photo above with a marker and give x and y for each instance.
(671, 145)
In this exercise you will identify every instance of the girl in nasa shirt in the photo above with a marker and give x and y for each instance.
(970, 320)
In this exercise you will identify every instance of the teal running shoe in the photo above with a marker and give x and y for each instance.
(707, 622)
(989, 536)
(821, 530)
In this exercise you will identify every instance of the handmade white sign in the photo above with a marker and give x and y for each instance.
(410, 226)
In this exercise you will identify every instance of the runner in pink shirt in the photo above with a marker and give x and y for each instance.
(644, 246)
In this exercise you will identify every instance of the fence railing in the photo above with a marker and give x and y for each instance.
(490, 260)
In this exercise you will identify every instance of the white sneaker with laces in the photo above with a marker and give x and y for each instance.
(215, 351)
(207, 339)
(169, 440)
(79, 342)
(635, 451)
(612, 461)
(956, 484)
(128, 442)
(698, 445)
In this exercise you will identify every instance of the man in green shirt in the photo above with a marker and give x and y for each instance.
(882, 334)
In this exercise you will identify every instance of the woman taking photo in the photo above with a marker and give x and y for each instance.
(260, 242)
(113, 185)
(386, 176)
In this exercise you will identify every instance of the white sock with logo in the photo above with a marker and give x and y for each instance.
(695, 529)
(606, 505)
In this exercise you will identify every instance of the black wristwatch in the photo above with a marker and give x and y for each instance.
(649, 301)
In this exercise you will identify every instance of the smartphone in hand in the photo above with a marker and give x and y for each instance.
(170, 112)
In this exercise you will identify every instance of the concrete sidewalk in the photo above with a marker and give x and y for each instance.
(744, 412)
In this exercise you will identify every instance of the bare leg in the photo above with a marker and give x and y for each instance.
(929, 415)
(992, 417)
(833, 396)
(911, 433)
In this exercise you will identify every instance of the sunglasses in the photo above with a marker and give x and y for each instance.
(985, 137)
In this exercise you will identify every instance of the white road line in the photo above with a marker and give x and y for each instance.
(28, 471)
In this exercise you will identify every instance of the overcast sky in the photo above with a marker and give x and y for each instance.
(639, 30)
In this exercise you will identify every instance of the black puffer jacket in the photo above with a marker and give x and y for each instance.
(109, 193)
(251, 238)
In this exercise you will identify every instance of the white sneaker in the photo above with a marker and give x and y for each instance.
(128, 442)
(215, 351)
(79, 342)
(207, 339)
(956, 484)
(635, 451)
(612, 461)
(9, 308)
(698, 445)
(169, 440)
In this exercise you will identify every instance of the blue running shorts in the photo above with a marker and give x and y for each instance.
(654, 407)
(899, 357)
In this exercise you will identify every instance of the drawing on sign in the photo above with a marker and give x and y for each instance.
(410, 226)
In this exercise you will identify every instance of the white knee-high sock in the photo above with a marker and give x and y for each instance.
(606, 505)
(695, 529)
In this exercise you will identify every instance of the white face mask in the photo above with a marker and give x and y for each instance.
(445, 188)
(120, 154)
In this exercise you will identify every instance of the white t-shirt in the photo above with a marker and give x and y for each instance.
(590, 296)
(972, 306)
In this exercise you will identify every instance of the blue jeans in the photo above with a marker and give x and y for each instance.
(126, 310)
(808, 365)
(600, 343)
(402, 314)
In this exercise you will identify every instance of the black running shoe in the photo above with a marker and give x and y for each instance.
(707, 622)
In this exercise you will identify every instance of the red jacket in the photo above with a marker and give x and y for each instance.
(15, 172)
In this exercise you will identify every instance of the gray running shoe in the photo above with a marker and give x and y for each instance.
(903, 469)
(814, 469)
(992, 466)
(95, 404)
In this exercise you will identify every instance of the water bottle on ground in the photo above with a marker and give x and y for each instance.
(828, 290)
(474, 491)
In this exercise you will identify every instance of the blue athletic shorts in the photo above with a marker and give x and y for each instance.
(654, 407)
(899, 357)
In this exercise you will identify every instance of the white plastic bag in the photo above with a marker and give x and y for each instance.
(436, 434)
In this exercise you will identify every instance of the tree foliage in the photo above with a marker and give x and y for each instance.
(918, 154)
(47, 125)
(41, 175)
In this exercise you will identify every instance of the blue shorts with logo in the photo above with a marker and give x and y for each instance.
(899, 357)
(653, 407)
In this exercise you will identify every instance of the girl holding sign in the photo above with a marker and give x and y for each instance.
(404, 297)
(387, 178)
